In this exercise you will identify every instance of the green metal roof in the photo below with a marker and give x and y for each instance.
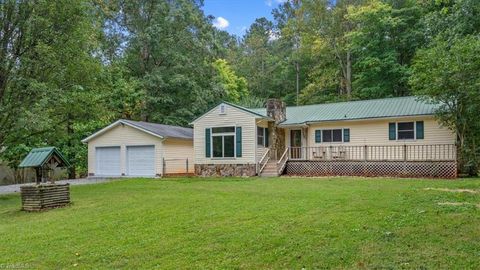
(354, 110)
(38, 156)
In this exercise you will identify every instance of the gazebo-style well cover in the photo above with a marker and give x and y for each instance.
(43, 160)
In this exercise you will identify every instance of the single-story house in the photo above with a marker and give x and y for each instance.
(132, 148)
(391, 136)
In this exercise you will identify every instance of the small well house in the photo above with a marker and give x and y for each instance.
(44, 161)
(44, 195)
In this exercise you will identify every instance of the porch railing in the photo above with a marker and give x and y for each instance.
(263, 161)
(407, 152)
(282, 162)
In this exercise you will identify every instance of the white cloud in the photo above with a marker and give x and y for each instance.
(268, 3)
(221, 23)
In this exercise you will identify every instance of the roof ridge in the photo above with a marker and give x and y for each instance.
(352, 101)
(339, 102)
(134, 121)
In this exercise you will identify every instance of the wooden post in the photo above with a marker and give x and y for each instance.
(38, 175)
(365, 152)
(163, 167)
(187, 165)
(404, 152)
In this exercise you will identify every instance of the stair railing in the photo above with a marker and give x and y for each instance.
(282, 162)
(264, 160)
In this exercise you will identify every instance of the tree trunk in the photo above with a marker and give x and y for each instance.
(297, 70)
(348, 77)
(71, 169)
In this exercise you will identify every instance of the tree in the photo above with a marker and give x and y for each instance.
(235, 87)
(257, 64)
(169, 51)
(448, 75)
(52, 79)
(384, 42)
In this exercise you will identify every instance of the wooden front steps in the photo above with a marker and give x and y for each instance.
(270, 169)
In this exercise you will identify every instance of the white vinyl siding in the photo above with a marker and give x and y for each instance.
(176, 152)
(375, 132)
(231, 117)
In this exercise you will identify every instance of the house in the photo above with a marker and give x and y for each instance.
(132, 148)
(392, 137)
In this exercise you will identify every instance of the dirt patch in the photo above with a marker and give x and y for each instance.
(458, 190)
(458, 204)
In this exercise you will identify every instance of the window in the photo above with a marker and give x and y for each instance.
(332, 135)
(223, 129)
(223, 142)
(406, 131)
(261, 136)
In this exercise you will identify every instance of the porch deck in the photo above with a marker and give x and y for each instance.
(432, 161)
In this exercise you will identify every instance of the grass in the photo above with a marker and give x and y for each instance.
(249, 223)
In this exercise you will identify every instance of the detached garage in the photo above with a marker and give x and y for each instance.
(132, 148)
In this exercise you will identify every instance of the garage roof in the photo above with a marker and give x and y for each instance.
(158, 130)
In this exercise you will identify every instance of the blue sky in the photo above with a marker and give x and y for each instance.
(235, 16)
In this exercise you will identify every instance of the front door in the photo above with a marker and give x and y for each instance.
(295, 143)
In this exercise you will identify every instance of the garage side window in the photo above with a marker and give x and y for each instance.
(223, 142)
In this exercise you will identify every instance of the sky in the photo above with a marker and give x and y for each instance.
(236, 16)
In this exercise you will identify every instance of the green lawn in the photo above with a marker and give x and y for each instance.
(250, 223)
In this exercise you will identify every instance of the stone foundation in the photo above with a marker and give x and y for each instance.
(205, 170)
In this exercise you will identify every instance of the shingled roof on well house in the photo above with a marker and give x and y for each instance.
(165, 131)
(355, 110)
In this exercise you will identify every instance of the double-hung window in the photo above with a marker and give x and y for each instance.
(223, 142)
(262, 136)
(405, 131)
(332, 135)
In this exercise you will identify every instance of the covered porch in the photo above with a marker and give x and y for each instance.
(396, 160)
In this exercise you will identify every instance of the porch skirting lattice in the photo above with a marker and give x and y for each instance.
(423, 169)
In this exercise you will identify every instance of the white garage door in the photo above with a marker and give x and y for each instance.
(141, 160)
(108, 161)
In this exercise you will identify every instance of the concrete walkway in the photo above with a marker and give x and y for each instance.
(83, 181)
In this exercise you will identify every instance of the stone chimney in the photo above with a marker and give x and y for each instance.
(276, 109)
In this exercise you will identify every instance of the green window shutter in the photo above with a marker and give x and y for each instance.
(208, 140)
(318, 136)
(239, 141)
(420, 130)
(392, 131)
(346, 135)
(266, 137)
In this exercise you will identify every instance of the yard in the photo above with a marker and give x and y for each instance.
(250, 223)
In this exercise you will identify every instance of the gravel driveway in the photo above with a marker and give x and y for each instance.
(83, 181)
